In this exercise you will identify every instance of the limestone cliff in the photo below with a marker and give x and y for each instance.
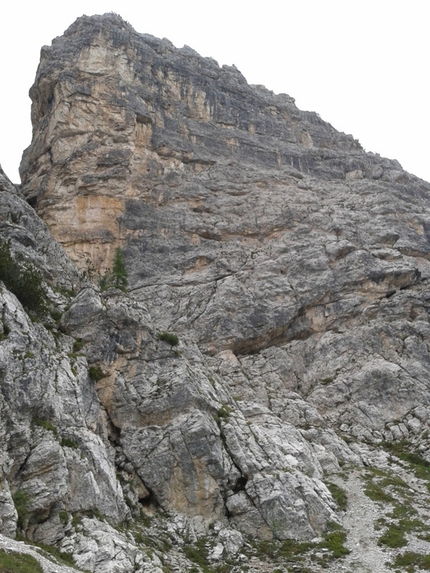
(272, 342)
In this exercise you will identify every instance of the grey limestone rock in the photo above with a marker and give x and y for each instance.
(275, 328)
(55, 452)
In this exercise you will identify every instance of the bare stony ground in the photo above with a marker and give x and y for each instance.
(176, 544)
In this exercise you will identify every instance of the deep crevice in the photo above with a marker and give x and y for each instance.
(240, 484)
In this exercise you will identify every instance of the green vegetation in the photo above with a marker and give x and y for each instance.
(409, 560)
(119, 271)
(339, 495)
(334, 542)
(78, 345)
(425, 537)
(90, 513)
(64, 517)
(375, 492)
(96, 373)
(12, 562)
(5, 331)
(56, 314)
(296, 552)
(198, 554)
(60, 556)
(45, 424)
(399, 521)
(288, 549)
(171, 339)
(403, 450)
(393, 537)
(118, 276)
(223, 413)
(76, 520)
(23, 280)
(68, 443)
(394, 481)
(402, 511)
(21, 501)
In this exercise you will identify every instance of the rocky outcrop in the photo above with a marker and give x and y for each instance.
(56, 458)
(274, 330)
(194, 448)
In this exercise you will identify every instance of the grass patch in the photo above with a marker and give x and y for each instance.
(60, 556)
(96, 373)
(45, 424)
(197, 553)
(24, 280)
(223, 413)
(5, 332)
(425, 537)
(402, 450)
(334, 542)
(64, 517)
(402, 511)
(412, 525)
(376, 493)
(393, 537)
(76, 520)
(21, 501)
(380, 523)
(290, 548)
(68, 443)
(339, 495)
(139, 537)
(78, 345)
(287, 550)
(56, 314)
(394, 481)
(12, 562)
(409, 560)
(171, 339)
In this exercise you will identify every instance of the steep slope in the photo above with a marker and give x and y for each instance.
(274, 331)
(49, 408)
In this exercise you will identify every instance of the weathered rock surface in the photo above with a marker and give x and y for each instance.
(55, 453)
(292, 266)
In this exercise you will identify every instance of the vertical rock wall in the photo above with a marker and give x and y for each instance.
(291, 265)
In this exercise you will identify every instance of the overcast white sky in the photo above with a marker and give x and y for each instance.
(361, 64)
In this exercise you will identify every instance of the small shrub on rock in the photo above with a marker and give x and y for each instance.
(118, 276)
(172, 339)
(24, 281)
(96, 373)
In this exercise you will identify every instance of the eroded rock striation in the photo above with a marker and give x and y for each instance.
(274, 330)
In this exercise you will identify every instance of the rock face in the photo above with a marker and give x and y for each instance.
(275, 325)
(55, 453)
